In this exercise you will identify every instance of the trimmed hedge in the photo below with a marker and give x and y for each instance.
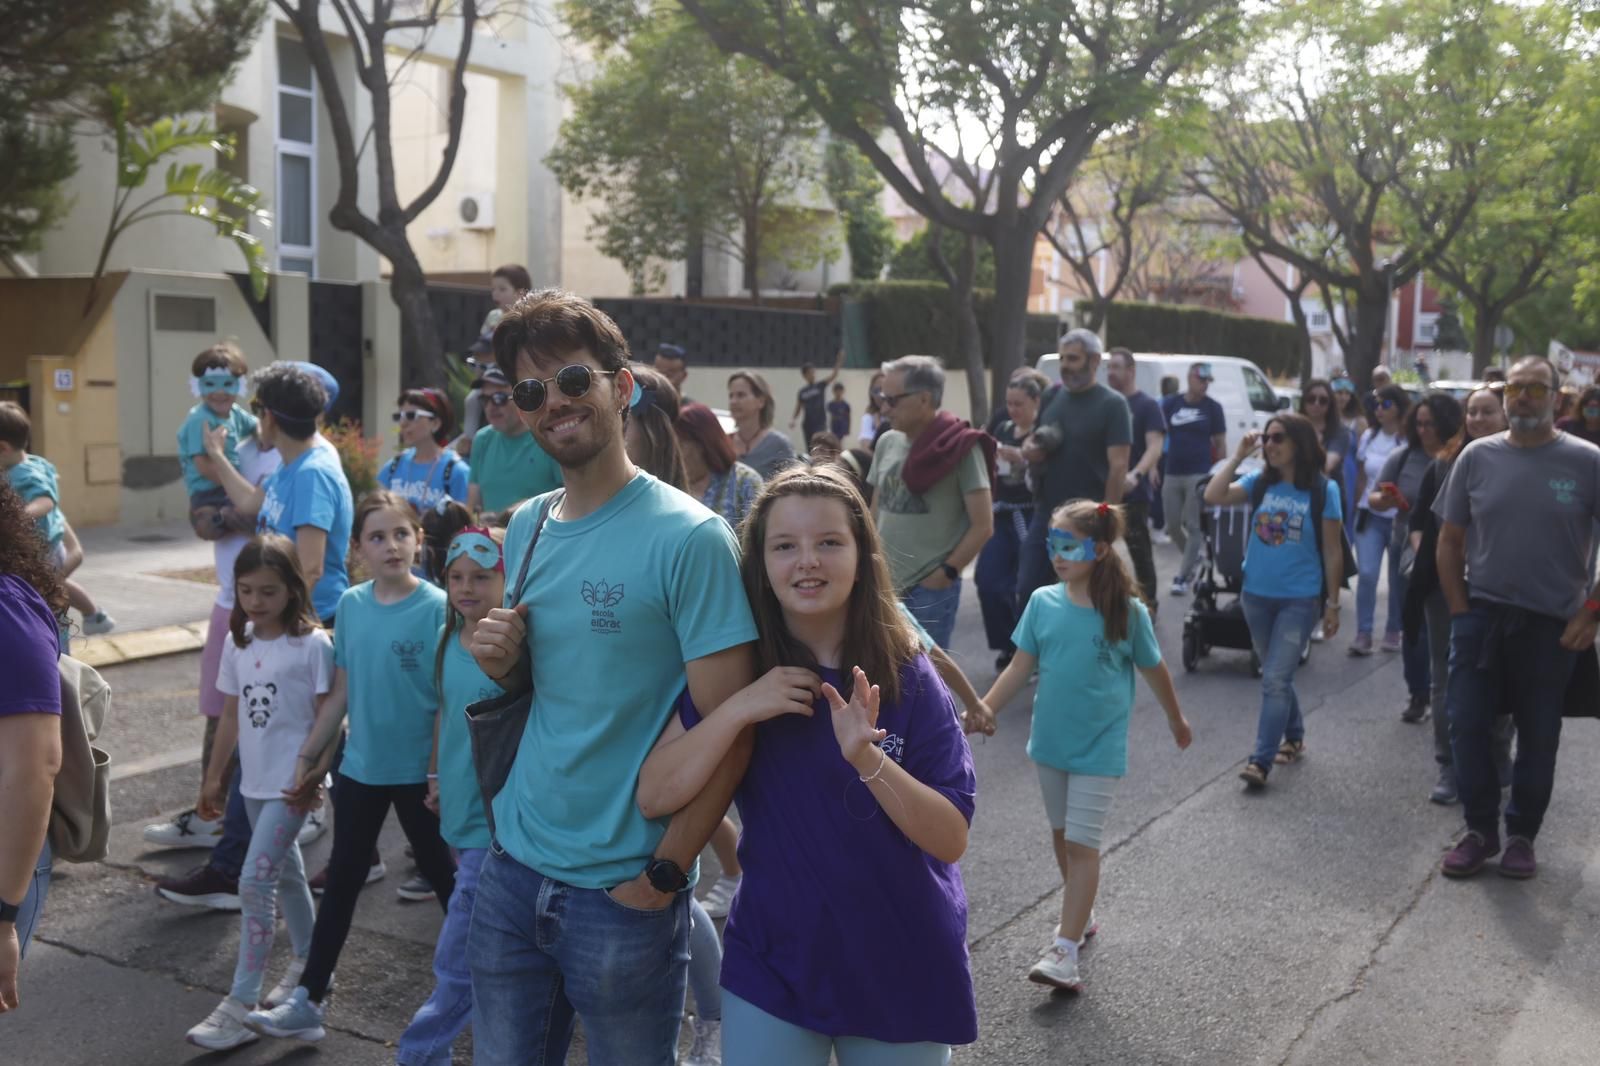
(894, 318)
(1144, 327)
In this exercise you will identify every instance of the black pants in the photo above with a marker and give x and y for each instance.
(1140, 549)
(359, 811)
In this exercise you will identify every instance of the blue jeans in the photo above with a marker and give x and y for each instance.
(1501, 657)
(33, 903)
(935, 609)
(996, 575)
(1372, 543)
(544, 953)
(705, 963)
(273, 861)
(227, 858)
(752, 1037)
(1279, 630)
(437, 1023)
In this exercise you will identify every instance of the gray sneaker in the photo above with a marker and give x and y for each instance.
(416, 890)
(1444, 789)
(296, 1017)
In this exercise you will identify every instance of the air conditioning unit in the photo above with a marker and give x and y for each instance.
(476, 210)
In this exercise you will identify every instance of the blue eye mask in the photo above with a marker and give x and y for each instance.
(475, 543)
(1070, 549)
(217, 381)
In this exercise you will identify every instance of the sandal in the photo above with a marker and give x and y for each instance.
(1290, 751)
(1253, 775)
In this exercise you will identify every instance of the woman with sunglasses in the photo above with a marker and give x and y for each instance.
(426, 473)
(1320, 404)
(1584, 422)
(1293, 569)
(1375, 523)
(755, 442)
(874, 419)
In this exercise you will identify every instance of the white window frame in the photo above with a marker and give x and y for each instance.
(298, 149)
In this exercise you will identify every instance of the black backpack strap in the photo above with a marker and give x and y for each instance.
(533, 541)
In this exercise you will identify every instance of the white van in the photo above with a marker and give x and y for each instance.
(1246, 396)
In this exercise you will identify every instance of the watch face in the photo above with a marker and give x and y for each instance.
(666, 876)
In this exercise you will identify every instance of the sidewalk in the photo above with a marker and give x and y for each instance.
(129, 570)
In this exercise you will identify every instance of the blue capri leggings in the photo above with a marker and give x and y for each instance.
(1076, 804)
(752, 1037)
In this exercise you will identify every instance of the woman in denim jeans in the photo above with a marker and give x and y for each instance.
(1375, 525)
(1288, 580)
(31, 599)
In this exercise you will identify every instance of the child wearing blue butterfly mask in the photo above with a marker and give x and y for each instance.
(218, 377)
(1087, 635)
(386, 633)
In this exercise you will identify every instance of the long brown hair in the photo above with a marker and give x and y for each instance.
(1110, 584)
(877, 637)
(275, 552)
(452, 617)
(698, 423)
(655, 415)
(23, 552)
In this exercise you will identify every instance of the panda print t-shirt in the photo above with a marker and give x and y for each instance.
(277, 682)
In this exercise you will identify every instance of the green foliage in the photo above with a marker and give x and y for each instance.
(208, 194)
(854, 188)
(671, 139)
(1143, 327)
(357, 454)
(913, 260)
(60, 61)
(915, 318)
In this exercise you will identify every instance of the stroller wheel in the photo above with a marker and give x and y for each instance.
(1255, 665)
(1191, 648)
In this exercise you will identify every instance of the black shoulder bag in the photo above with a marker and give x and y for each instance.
(496, 725)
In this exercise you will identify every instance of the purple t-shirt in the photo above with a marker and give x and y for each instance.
(842, 926)
(29, 647)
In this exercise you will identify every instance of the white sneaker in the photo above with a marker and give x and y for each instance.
(720, 898)
(291, 981)
(705, 1049)
(1057, 969)
(96, 624)
(1160, 536)
(223, 1028)
(1090, 931)
(187, 830)
(1180, 587)
(296, 1018)
(314, 826)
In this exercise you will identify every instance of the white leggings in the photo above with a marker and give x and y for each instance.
(1076, 804)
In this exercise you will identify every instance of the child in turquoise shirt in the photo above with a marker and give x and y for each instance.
(1086, 635)
(218, 380)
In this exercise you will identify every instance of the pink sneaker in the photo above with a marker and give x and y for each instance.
(1391, 642)
(1362, 645)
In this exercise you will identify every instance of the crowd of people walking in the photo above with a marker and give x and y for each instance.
(773, 618)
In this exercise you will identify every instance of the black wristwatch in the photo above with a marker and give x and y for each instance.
(950, 572)
(666, 876)
(9, 911)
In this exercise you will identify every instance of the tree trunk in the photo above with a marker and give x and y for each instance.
(752, 256)
(969, 338)
(1008, 318)
(694, 264)
(1366, 340)
(1303, 323)
(408, 287)
(1484, 323)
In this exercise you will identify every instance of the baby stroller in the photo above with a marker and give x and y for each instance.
(1213, 621)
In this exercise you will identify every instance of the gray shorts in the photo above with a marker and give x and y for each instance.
(1077, 804)
(58, 555)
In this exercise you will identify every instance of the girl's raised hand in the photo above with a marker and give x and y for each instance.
(855, 723)
(781, 690)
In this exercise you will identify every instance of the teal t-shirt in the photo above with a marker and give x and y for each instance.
(618, 601)
(191, 441)
(387, 650)
(35, 476)
(1085, 696)
(510, 469)
(461, 819)
(426, 484)
(1281, 558)
(312, 491)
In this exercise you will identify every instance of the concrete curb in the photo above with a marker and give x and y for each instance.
(141, 644)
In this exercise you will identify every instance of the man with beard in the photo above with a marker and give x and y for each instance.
(1518, 513)
(633, 592)
(1080, 448)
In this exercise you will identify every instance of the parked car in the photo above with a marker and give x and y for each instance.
(1459, 389)
(1246, 396)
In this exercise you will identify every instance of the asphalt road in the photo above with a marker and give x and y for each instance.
(1306, 925)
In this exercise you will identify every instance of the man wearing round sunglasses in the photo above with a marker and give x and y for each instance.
(1518, 512)
(633, 593)
(508, 465)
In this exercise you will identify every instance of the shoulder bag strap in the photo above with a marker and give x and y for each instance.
(527, 556)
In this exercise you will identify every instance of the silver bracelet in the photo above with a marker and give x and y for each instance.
(882, 758)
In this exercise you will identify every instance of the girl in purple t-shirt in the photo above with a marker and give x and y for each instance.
(848, 933)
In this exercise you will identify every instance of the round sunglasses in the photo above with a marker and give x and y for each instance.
(573, 381)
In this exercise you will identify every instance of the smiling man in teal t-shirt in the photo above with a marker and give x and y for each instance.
(633, 592)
